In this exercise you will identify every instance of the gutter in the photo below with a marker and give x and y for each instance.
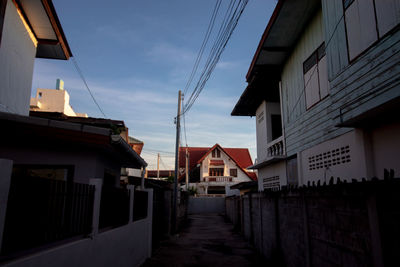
(122, 145)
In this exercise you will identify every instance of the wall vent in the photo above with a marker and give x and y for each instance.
(329, 158)
(271, 182)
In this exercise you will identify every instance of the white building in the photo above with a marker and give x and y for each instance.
(54, 100)
(212, 170)
(324, 88)
(30, 29)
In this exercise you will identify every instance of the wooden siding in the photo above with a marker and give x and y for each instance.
(370, 80)
(334, 27)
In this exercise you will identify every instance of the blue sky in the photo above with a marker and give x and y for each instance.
(136, 55)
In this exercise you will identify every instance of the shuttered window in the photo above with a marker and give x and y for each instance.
(316, 84)
(367, 21)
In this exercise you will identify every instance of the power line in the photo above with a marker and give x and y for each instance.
(203, 45)
(158, 151)
(87, 86)
(231, 18)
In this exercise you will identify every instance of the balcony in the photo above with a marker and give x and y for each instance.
(276, 148)
(218, 179)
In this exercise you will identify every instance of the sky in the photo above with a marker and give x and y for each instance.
(136, 55)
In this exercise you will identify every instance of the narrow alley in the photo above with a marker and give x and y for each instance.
(207, 240)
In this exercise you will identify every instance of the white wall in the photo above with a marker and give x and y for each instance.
(261, 132)
(273, 170)
(128, 245)
(53, 100)
(385, 148)
(347, 146)
(17, 54)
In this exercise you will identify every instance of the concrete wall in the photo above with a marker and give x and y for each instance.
(277, 170)
(385, 147)
(128, 245)
(53, 100)
(17, 54)
(352, 224)
(198, 205)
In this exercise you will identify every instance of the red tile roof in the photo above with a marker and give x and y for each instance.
(240, 156)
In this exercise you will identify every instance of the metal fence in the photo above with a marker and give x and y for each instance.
(43, 211)
(114, 207)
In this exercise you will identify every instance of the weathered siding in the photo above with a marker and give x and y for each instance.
(304, 128)
(335, 31)
(371, 80)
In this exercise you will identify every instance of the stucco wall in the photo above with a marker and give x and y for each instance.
(273, 170)
(53, 100)
(342, 157)
(198, 205)
(385, 147)
(128, 245)
(17, 54)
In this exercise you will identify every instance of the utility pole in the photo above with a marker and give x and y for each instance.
(187, 169)
(178, 128)
(158, 165)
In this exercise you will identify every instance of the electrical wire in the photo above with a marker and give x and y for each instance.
(308, 81)
(203, 45)
(231, 18)
(87, 86)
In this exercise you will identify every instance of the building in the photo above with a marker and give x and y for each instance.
(28, 30)
(323, 86)
(54, 100)
(62, 175)
(213, 169)
(163, 174)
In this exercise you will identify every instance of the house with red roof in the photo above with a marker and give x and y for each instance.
(212, 169)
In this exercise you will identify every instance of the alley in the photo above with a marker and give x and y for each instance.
(208, 240)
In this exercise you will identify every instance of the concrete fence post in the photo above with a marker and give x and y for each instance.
(131, 189)
(149, 219)
(5, 181)
(374, 227)
(98, 183)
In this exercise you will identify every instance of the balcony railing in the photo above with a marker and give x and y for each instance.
(218, 179)
(276, 148)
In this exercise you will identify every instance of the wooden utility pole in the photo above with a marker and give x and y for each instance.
(158, 165)
(178, 129)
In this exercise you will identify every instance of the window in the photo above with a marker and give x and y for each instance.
(368, 20)
(216, 172)
(40, 95)
(216, 153)
(233, 172)
(276, 126)
(316, 84)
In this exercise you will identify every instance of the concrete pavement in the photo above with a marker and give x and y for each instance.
(208, 240)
